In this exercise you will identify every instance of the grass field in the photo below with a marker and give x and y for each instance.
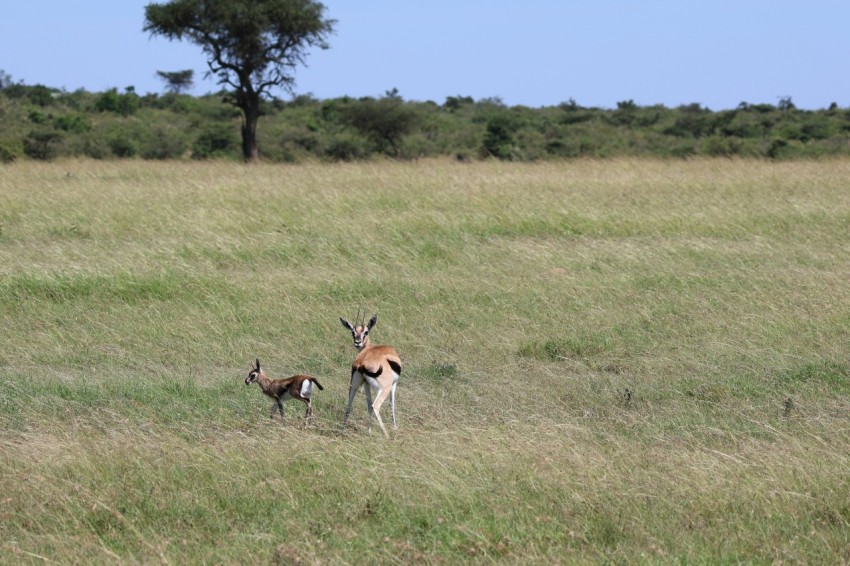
(618, 361)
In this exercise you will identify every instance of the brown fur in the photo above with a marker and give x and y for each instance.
(282, 389)
(371, 358)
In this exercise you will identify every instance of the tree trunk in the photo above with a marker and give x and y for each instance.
(250, 115)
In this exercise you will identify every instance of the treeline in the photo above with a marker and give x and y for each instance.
(38, 122)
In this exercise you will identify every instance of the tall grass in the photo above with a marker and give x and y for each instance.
(627, 360)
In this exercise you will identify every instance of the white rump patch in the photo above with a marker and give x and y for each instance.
(307, 389)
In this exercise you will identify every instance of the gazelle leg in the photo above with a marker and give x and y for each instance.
(306, 395)
(371, 408)
(368, 391)
(356, 382)
(277, 406)
(379, 400)
(392, 404)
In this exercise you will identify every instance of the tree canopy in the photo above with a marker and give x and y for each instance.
(252, 45)
(177, 81)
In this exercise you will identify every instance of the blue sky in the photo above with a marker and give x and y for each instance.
(717, 53)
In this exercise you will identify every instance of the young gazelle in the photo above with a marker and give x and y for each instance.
(378, 366)
(296, 387)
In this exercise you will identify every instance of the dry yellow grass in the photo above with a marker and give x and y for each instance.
(626, 360)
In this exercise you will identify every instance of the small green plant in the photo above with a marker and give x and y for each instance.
(565, 348)
(442, 371)
(835, 375)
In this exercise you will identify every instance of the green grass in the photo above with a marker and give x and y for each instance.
(628, 361)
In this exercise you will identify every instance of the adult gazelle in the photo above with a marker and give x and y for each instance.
(377, 366)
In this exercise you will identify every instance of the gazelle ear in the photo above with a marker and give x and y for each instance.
(346, 324)
(258, 364)
(372, 321)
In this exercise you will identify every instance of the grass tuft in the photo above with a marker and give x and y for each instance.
(835, 376)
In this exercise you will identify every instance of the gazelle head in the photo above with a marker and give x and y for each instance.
(360, 330)
(253, 374)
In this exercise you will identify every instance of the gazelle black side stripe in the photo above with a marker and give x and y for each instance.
(371, 374)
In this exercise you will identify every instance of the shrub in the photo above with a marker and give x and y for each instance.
(122, 145)
(332, 111)
(10, 150)
(783, 149)
(122, 104)
(692, 121)
(216, 140)
(499, 141)
(75, 123)
(562, 148)
(790, 131)
(40, 95)
(42, 144)
(163, 142)
(744, 125)
(625, 113)
(717, 146)
(455, 103)
(385, 122)
(37, 117)
(96, 147)
(346, 147)
(819, 127)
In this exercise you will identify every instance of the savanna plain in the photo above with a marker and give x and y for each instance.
(625, 361)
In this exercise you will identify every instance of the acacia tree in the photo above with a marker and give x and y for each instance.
(252, 45)
(177, 81)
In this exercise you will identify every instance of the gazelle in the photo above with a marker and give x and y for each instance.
(377, 366)
(296, 387)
